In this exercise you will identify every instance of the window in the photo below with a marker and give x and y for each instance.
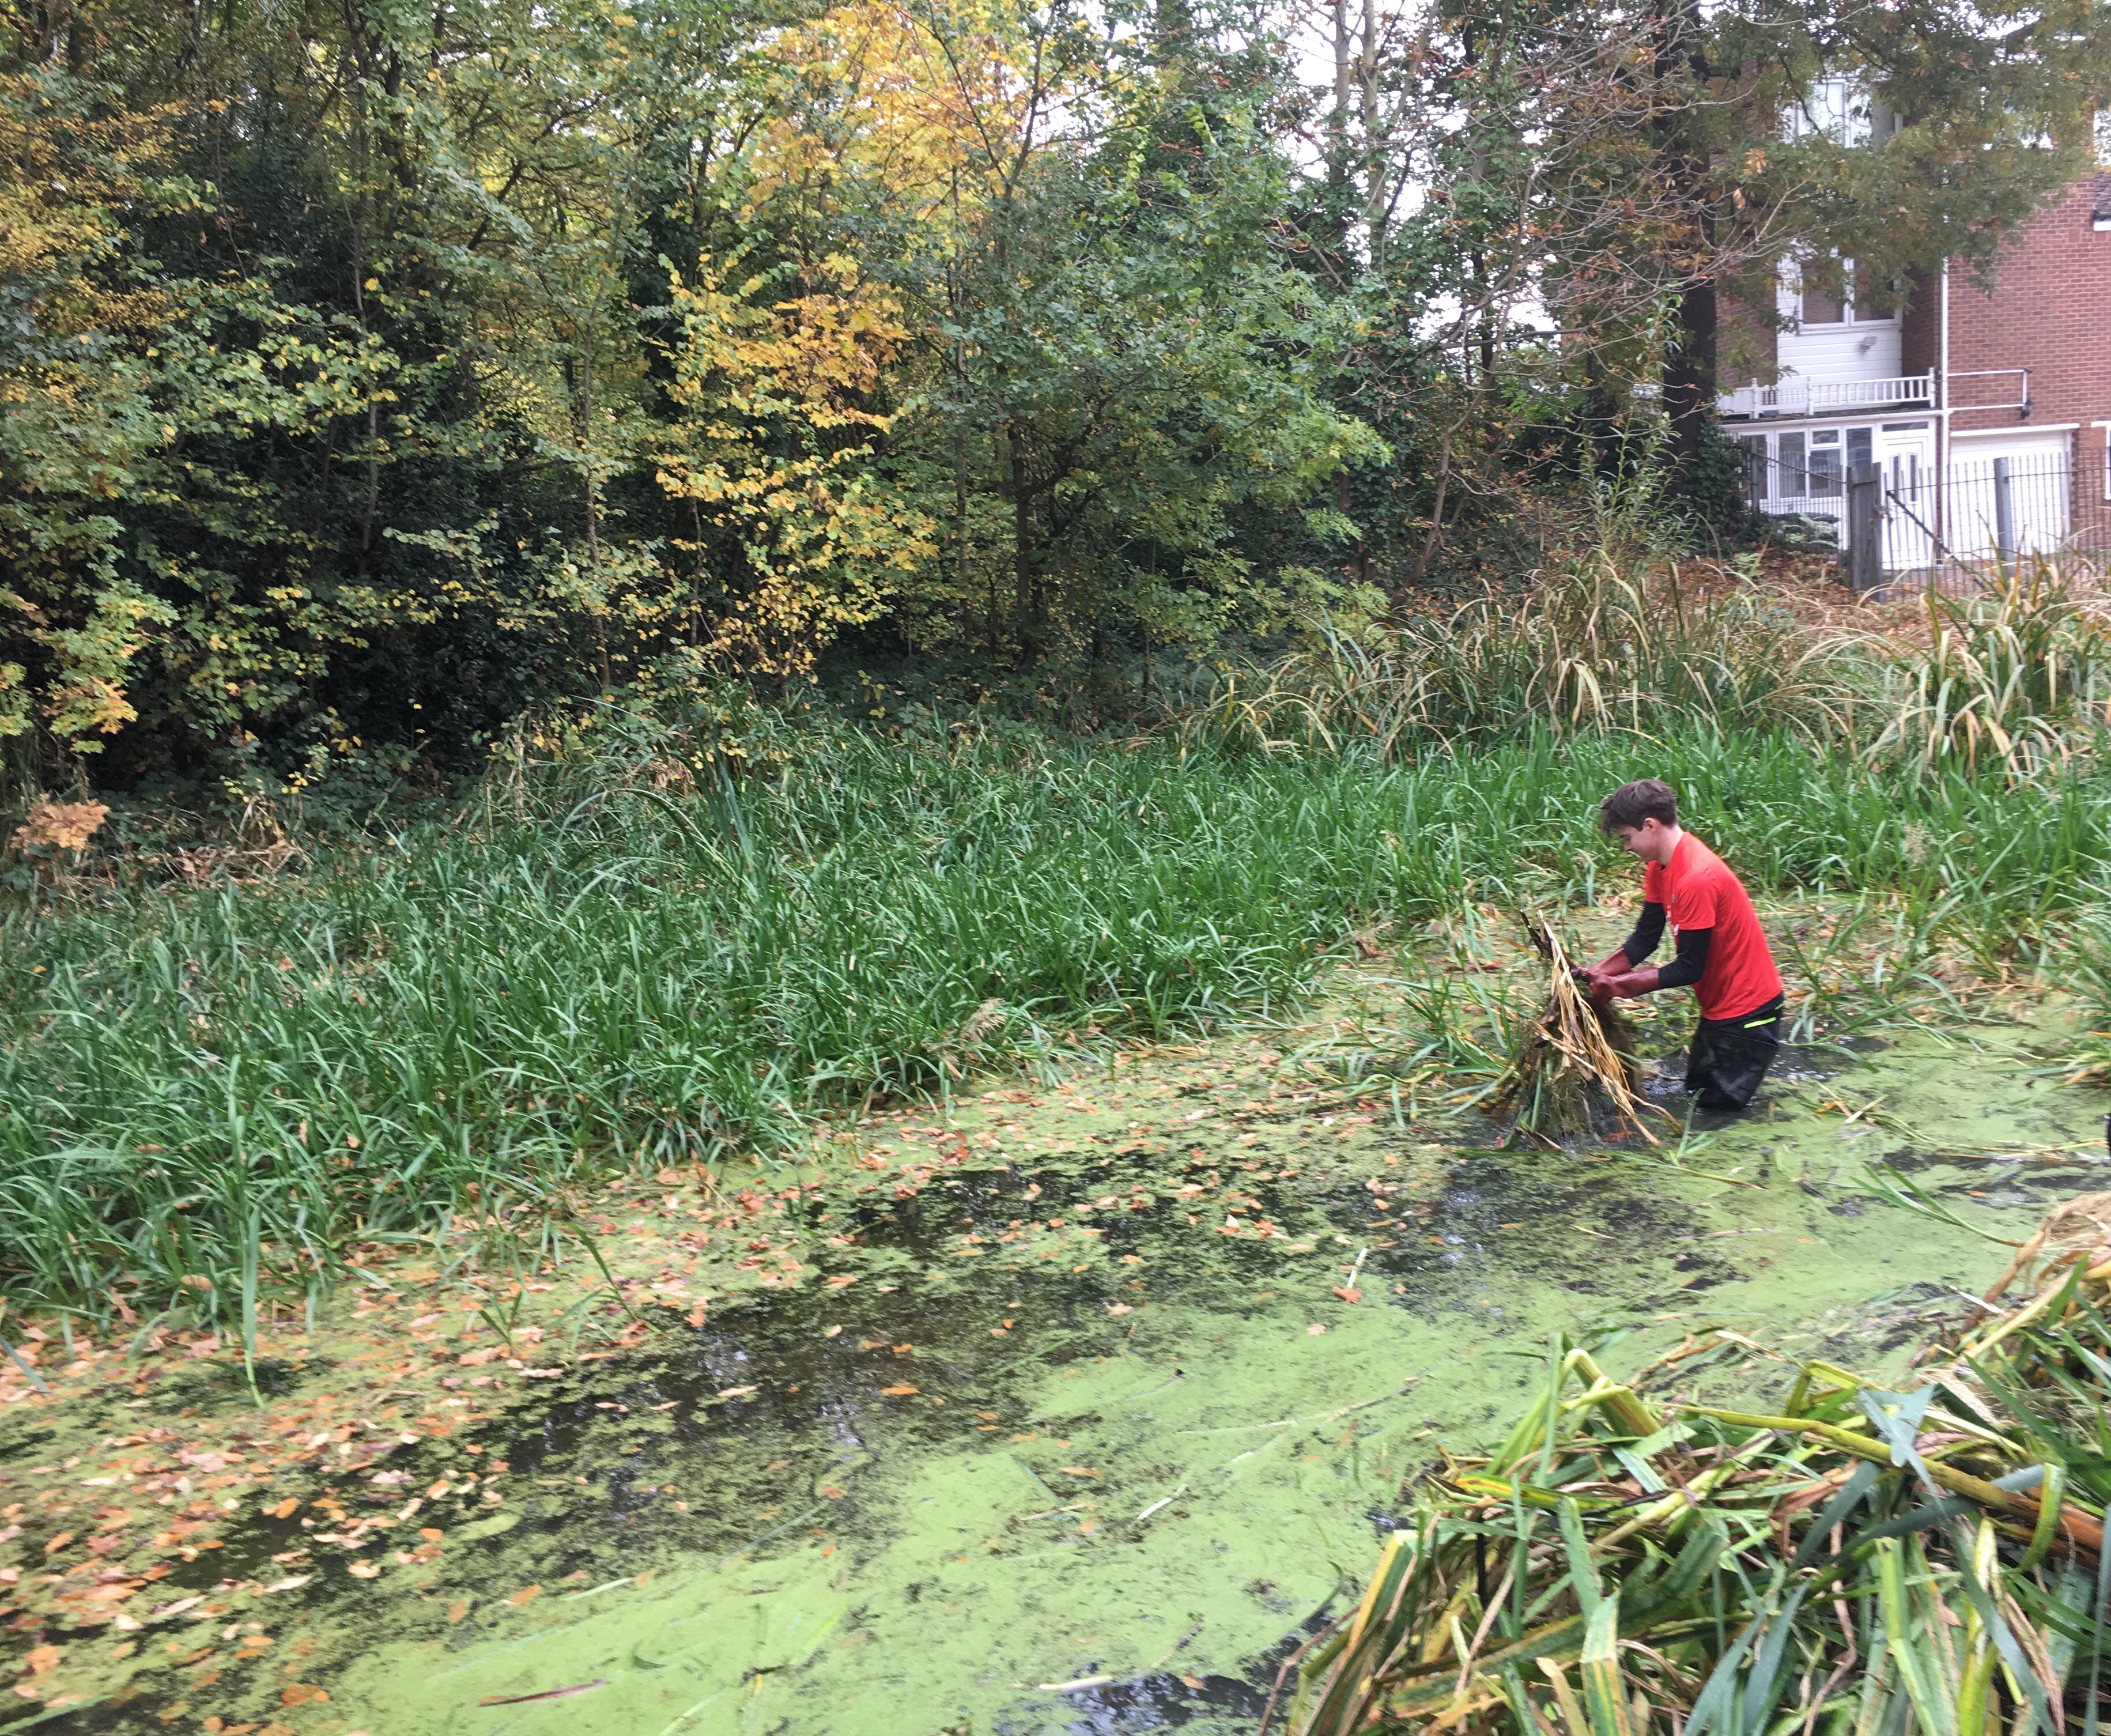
(1825, 463)
(1852, 303)
(1873, 300)
(1790, 475)
(1841, 109)
(1860, 450)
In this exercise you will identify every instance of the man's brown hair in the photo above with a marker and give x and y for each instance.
(1646, 799)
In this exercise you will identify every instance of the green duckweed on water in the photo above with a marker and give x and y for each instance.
(1067, 1408)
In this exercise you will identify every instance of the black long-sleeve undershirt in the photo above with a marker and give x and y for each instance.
(1693, 944)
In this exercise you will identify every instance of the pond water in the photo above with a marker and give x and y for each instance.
(1017, 1496)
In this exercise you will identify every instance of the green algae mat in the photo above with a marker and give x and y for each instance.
(1073, 1407)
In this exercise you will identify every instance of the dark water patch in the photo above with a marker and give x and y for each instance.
(1152, 1702)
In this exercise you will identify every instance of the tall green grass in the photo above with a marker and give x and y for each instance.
(2012, 678)
(584, 970)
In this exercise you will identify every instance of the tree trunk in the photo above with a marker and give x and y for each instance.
(1689, 367)
(1026, 602)
(1689, 374)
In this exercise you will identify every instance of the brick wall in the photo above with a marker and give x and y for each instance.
(2050, 311)
(1745, 345)
(1920, 326)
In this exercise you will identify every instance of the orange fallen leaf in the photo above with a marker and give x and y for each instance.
(285, 1509)
(43, 1659)
(300, 1694)
(456, 1611)
(832, 1332)
(58, 1542)
(363, 1569)
(897, 1392)
(1347, 1295)
(1079, 1470)
(431, 1534)
(113, 1593)
(526, 1594)
(839, 1280)
(1121, 1307)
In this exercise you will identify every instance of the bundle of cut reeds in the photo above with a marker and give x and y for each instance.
(1577, 1063)
(1866, 1562)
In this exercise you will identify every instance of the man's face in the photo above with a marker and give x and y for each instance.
(1646, 840)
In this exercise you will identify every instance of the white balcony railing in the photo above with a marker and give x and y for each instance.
(1793, 397)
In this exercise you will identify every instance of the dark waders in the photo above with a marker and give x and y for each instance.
(1730, 1056)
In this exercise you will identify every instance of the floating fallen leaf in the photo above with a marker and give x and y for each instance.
(1079, 1470)
(363, 1569)
(526, 1594)
(43, 1659)
(176, 1608)
(285, 1509)
(1347, 1294)
(300, 1694)
(431, 1534)
(897, 1392)
(294, 1584)
(1121, 1307)
(1314, 1329)
(456, 1611)
(547, 1694)
(737, 1392)
(839, 1280)
(58, 1542)
(831, 1332)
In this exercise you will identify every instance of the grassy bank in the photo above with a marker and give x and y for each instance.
(630, 961)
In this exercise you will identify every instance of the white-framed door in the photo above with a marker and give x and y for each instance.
(1904, 454)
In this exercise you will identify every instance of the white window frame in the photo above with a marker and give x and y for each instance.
(1850, 314)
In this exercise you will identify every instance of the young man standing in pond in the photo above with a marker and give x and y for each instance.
(1721, 953)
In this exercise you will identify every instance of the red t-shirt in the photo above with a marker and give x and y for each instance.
(1698, 891)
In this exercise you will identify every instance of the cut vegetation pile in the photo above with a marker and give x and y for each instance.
(1866, 1561)
(1577, 1066)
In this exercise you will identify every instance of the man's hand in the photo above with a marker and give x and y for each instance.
(1607, 970)
(1626, 986)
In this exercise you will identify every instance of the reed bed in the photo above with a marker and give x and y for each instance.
(1861, 1561)
(2012, 676)
(596, 966)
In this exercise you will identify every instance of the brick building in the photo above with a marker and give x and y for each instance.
(1987, 411)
